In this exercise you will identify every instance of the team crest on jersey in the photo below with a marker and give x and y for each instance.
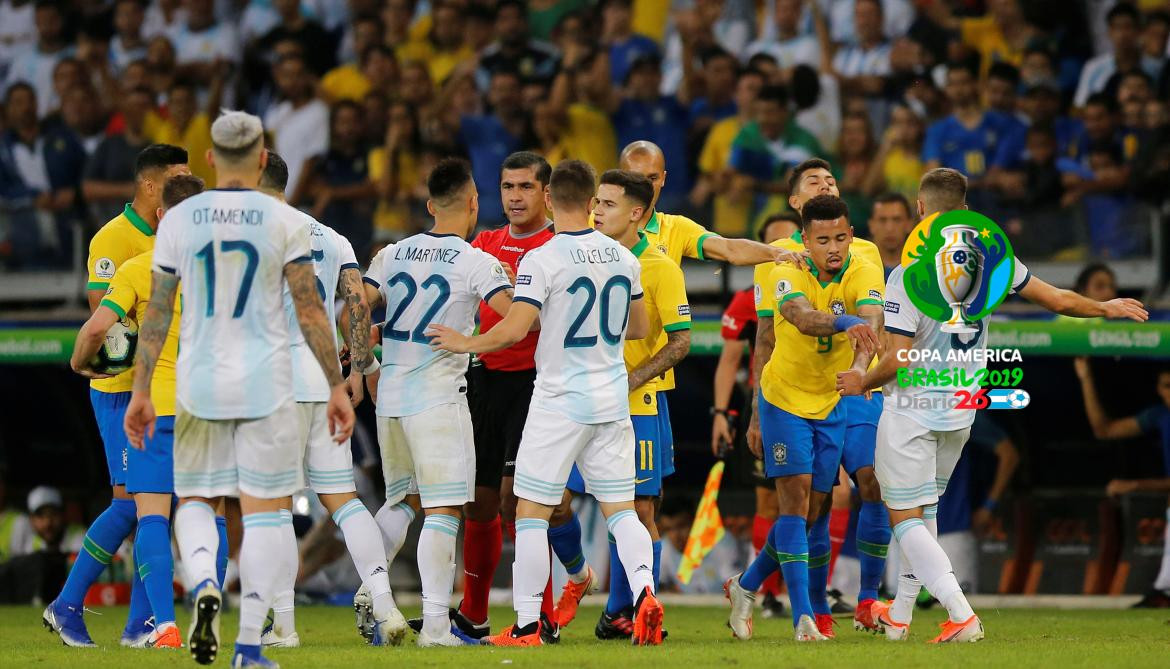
(646, 398)
(524, 280)
(837, 307)
(103, 268)
(780, 453)
(783, 287)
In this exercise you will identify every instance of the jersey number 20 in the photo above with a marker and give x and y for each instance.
(572, 339)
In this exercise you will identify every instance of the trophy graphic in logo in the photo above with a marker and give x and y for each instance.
(958, 266)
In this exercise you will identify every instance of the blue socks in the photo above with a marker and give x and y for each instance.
(873, 540)
(221, 555)
(818, 565)
(156, 568)
(790, 538)
(102, 540)
(620, 596)
(657, 545)
(566, 543)
(139, 599)
(249, 651)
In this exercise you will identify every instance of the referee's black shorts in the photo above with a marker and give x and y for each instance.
(499, 406)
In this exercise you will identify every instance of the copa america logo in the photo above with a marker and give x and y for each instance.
(959, 268)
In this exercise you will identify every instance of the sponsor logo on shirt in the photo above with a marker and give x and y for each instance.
(524, 280)
(875, 294)
(893, 307)
(684, 310)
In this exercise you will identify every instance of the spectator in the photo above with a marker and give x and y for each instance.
(188, 127)
(514, 50)
(705, 27)
(445, 47)
(1155, 419)
(319, 46)
(713, 98)
(395, 170)
(163, 16)
(160, 68)
(897, 166)
(36, 66)
(38, 568)
(364, 31)
(789, 47)
(299, 123)
(416, 88)
(1038, 65)
(1034, 190)
(83, 118)
(1100, 127)
(818, 104)
(1123, 21)
(731, 216)
(857, 153)
(1000, 36)
(1154, 41)
(890, 223)
(40, 173)
(489, 138)
(109, 174)
(1096, 281)
(67, 75)
(1101, 188)
(339, 184)
(376, 111)
(896, 16)
(546, 15)
(18, 30)
(375, 68)
(582, 83)
(204, 48)
(1134, 90)
(626, 48)
(863, 63)
(397, 16)
(726, 558)
(127, 44)
(1003, 82)
(50, 533)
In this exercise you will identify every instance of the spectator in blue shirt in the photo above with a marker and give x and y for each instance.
(716, 82)
(492, 137)
(625, 45)
(1041, 105)
(340, 187)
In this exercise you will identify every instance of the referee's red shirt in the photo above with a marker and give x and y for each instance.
(510, 249)
(739, 322)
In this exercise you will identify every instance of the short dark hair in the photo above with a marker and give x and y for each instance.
(514, 4)
(783, 216)
(275, 174)
(1082, 281)
(179, 188)
(634, 186)
(963, 65)
(1158, 16)
(799, 170)
(522, 160)
(1005, 71)
(892, 197)
(1104, 100)
(1121, 10)
(943, 189)
(159, 156)
(17, 86)
(715, 53)
(449, 177)
(755, 60)
(823, 208)
(777, 94)
(378, 48)
(573, 184)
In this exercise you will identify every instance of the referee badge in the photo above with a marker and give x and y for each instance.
(780, 453)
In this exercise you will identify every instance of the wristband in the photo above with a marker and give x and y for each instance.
(843, 323)
(990, 504)
(373, 367)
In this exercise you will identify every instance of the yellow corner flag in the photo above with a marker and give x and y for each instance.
(708, 528)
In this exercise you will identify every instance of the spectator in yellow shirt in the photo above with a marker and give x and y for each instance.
(394, 170)
(187, 127)
(731, 216)
(444, 47)
(352, 80)
(897, 166)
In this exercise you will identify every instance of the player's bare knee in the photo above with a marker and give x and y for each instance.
(485, 507)
(152, 504)
(332, 501)
(526, 508)
(453, 511)
(563, 512)
(899, 515)
(766, 503)
(119, 492)
(507, 500)
(792, 493)
(867, 485)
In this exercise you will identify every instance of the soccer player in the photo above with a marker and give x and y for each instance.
(127, 235)
(622, 199)
(499, 387)
(329, 467)
(235, 417)
(831, 315)
(739, 333)
(424, 425)
(917, 448)
(807, 180)
(149, 471)
(585, 289)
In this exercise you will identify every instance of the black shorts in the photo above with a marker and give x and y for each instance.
(499, 406)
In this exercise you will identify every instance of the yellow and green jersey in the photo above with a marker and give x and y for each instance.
(665, 299)
(766, 301)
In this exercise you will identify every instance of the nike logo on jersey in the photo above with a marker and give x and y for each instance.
(640, 481)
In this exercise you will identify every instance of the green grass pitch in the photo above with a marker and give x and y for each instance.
(698, 638)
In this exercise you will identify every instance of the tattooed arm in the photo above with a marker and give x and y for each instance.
(357, 311)
(678, 344)
(313, 321)
(152, 333)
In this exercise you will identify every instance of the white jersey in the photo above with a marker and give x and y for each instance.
(583, 283)
(332, 253)
(424, 279)
(230, 247)
(933, 407)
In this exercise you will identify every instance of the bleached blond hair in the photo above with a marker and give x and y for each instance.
(236, 135)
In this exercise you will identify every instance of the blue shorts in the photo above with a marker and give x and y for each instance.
(647, 460)
(110, 411)
(665, 434)
(794, 445)
(153, 468)
(861, 419)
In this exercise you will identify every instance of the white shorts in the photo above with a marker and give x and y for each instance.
(914, 463)
(259, 457)
(432, 449)
(328, 464)
(551, 443)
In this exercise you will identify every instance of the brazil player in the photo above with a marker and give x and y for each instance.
(585, 289)
(807, 180)
(622, 198)
(329, 467)
(831, 315)
(917, 448)
(127, 235)
(235, 415)
(424, 425)
(149, 471)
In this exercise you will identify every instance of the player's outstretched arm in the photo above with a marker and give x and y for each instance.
(318, 332)
(678, 344)
(520, 318)
(1103, 426)
(89, 341)
(152, 334)
(765, 345)
(639, 325)
(746, 252)
(1071, 303)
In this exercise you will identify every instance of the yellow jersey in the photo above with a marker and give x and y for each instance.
(668, 311)
(801, 377)
(123, 237)
(345, 82)
(129, 293)
(731, 217)
(766, 301)
(196, 138)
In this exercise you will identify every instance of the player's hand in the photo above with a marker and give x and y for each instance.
(372, 385)
(83, 368)
(1119, 487)
(849, 382)
(444, 338)
(790, 257)
(981, 520)
(1124, 307)
(355, 386)
(139, 420)
(343, 355)
(510, 271)
(863, 339)
(1081, 365)
(340, 414)
(754, 440)
(721, 433)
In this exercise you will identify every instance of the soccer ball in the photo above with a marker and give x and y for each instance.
(117, 353)
(1018, 399)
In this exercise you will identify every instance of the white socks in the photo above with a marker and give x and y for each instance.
(932, 567)
(436, 568)
(902, 610)
(1163, 581)
(364, 541)
(258, 577)
(530, 570)
(394, 521)
(634, 548)
(283, 607)
(198, 540)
